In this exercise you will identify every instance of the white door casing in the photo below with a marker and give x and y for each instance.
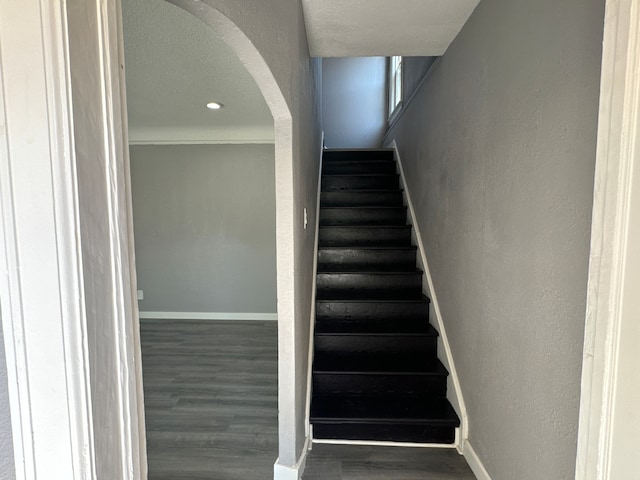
(608, 441)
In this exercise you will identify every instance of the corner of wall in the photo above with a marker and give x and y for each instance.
(474, 461)
(293, 472)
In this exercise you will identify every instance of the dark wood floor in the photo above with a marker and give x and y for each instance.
(210, 399)
(211, 412)
(351, 462)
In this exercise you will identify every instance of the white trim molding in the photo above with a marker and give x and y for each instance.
(41, 282)
(312, 316)
(374, 443)
(474, 461)
(209, 316)
(608, 440)
(454, 396)
(292, 472)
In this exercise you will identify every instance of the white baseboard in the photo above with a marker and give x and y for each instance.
(372, 443)
(209, 316)
(455, 395)
(292, 472)
(474, 462)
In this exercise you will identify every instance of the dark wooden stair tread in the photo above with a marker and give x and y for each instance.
(383, 409)
(375, 374)
(384, 365)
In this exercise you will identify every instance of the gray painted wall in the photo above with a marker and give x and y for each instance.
(7, 467)
(354, 101)
(499, 151)
(204, 221)
(413, 71)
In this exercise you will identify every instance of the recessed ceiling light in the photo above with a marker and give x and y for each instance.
(214, 105)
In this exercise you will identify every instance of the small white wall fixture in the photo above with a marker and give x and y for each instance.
(608, 440)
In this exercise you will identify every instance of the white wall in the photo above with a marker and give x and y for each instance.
(354, 102)
(104, 203)
(7, 469)
(205, 228)
(499, 150)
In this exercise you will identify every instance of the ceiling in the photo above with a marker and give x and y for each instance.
(358, 28)
(175, 64)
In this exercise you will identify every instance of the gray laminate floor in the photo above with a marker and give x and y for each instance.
(211, 412)
(351, 462)
(210, 399)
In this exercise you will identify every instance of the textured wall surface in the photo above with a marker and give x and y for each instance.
(7, 469)
(354, 102)
(205, 227)
(413, 71)
(499, 152)
(276, 29)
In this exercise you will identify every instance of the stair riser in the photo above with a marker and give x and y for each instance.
(383, 433)
(332, 260)
(389, 345)
(377, 325)
(360, 182)
(362, 216)
(362, 236)
(371, 285)
(360, 384)
(361, 199)
(364, 312)
(354, 168)
(350, 155)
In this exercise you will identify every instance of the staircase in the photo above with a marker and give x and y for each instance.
(376, 375)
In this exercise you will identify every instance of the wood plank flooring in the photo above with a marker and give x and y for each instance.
(355, 462)
(210, 399)
(211, 412)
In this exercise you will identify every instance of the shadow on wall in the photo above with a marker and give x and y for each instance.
(354, 104)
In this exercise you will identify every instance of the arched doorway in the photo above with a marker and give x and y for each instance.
(228, 32)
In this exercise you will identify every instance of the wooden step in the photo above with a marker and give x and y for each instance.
(366, 154)
(383, 418)
(369, 285)
(360, 182)
(350, 167)
(350, 216)
(373, 315)
(343, 379)
(389, 344)
(345, 259)
(350, 236)
(362, 198)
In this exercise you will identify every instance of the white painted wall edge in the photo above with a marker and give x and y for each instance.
(443, 339)
(312, 317)
(602, 448)
(208, 316)
(47, 362)
(474, 461)
(292, 472)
